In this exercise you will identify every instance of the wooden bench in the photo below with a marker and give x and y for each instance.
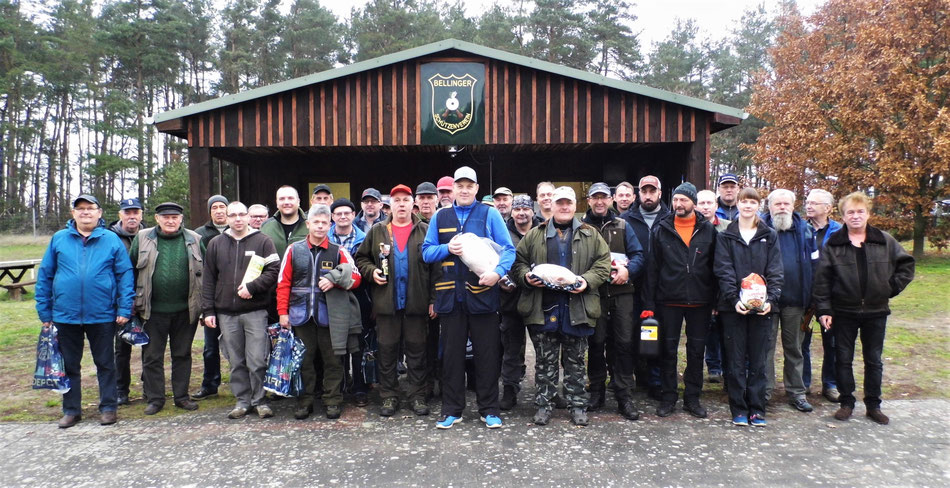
(16, 289)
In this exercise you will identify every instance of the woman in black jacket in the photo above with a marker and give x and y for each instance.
(861, 269)
(747, 246)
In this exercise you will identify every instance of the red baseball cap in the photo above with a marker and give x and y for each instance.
(400, 189)
(650, 180)
(446, 183)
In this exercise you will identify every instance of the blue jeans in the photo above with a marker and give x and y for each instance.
(211, 379)
(103, 354)
(827, 362)
(713, 346)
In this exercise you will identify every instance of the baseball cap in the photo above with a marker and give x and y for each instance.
(445, 183)
(130, 203)
(728, 178)
(488, 200)
(599, 187)
(371, 192)
(386, 200)
(85, 197)
(426, 188)
(320, 188)
(465, 173)
(400, 189)
(649, 180)
(522, 201)
(564, 192)
(502, 190)
(168, 208)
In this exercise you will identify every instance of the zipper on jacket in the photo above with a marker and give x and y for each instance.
(237, 257)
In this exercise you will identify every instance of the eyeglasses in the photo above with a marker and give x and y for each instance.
(235, 215)
(256, 217)
(85, 209)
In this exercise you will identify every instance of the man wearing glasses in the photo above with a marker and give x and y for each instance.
(84, 286)
(256, 215)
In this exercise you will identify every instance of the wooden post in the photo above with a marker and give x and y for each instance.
(199, 174)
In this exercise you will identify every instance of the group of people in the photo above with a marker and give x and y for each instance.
(392, 284)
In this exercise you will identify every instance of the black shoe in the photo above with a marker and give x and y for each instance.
(695, 409)
(543, 416)
(361, 399)
(597, 400)
(303, 411)
(878, 416)
(628, 410)
(122, 399)
(559, 402)
(153, 408)
(801, 404)
(334, 411)
(187, 405)
(419, 407)
(509, 398)
(579, 416)
(389, 407)
(655, 393)
(664, 410)
(202, 394)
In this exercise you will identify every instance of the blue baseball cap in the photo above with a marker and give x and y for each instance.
(130, 203)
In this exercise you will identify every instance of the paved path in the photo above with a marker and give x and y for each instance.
(361, 449)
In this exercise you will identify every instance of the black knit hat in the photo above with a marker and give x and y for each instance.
(686, 189)
(342, 202)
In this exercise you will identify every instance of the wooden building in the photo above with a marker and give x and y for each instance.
(417, 115)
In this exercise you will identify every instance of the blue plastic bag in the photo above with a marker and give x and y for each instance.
(50, 372)
(280, 364)
(296, 378)
(133, 332)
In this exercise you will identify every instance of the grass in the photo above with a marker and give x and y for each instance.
(15, 248)
(929, 294)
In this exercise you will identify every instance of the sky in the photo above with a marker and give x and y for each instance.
(655, 18)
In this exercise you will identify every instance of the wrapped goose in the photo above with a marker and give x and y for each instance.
(480, 254)
(555, 277)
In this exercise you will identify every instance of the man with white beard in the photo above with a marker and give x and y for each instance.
(799, 258)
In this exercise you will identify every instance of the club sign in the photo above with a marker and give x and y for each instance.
(452, 102)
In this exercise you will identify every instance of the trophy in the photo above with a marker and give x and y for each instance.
(384, 259)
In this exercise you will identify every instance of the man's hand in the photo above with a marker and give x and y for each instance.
(740, 308)
(581, 288)
(46, 325)
(284, 321)
(623, 275)
(825, 321)
(489, 279)
(211, 322)
(766, 309)
(243, 293)
(432, 313)
(378, 277)
(324, 284)
(533, 281)
(121, 320)
(455, 247)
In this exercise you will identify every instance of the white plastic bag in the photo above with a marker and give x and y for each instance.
(480, 254)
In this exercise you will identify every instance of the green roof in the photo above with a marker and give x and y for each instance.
(440, 46)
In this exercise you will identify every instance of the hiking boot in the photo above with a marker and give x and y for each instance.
(303, 411)
(264, 411)
(628, 410)
(831, 394)
(69, 420)
(509, 398)
(878, 416)
(187, 405)
(109, 417)
(695, 409)
(237, 413)
(801, 405)
(844, 413)
(543, 416)
(597, 400)
(334, 411)
(153, 408)
(388, 409)
(579, 416)
(419, 407)
(664, 410)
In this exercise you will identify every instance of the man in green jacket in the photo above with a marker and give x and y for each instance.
(402, 299)
(289, 223)
(561, 321)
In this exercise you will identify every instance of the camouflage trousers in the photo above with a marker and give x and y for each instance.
(549, 347)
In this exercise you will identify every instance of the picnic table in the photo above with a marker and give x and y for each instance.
(15, 271)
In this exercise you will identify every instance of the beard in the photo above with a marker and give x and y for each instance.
(650, 206)
(782, 221)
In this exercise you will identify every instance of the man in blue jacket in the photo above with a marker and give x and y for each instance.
(85, 286)
(467, 303)
(799, 259)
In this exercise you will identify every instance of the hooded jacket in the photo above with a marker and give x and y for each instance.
(124, 236)
(837, 284)
(87, 282)
(735, 260)
(677, 274)
(226, 262)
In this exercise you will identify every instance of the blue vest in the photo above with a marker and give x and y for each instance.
(306, 299)
(455, 275)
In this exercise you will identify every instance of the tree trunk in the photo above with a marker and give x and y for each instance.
(920, 228)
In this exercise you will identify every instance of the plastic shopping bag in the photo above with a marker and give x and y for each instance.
(50, 372)
(133, 332)
(296, 378)
(277, 380)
